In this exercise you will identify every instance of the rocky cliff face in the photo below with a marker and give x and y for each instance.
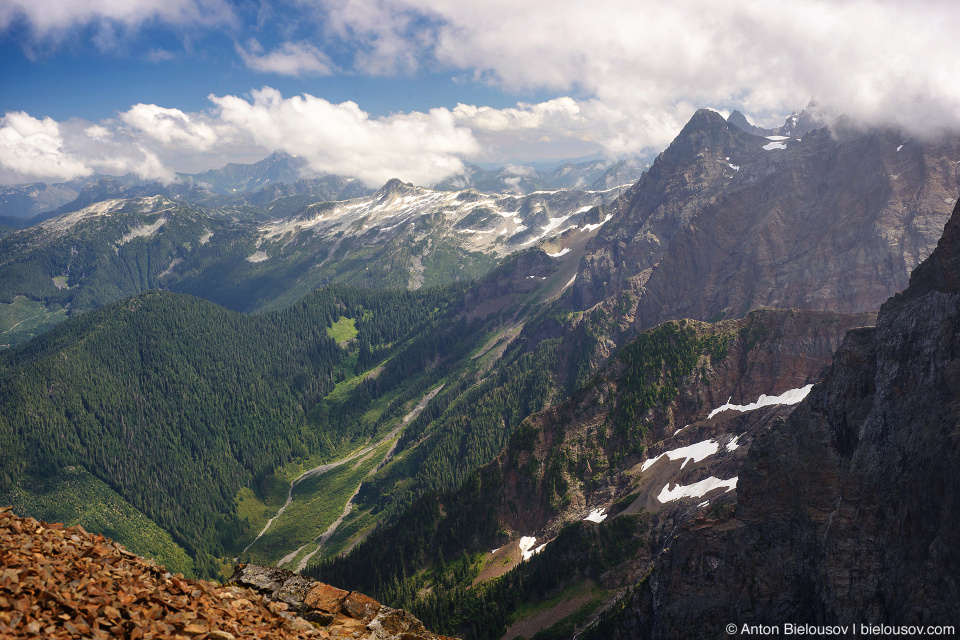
(686, 177)
(726, 221)
(848, 510)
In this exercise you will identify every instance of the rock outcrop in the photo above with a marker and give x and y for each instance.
(58, 582)
(849, 509)
(345, 614)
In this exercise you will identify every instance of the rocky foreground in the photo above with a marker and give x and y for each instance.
(62, 582)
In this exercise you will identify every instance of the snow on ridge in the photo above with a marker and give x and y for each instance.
(597, 515)
(791, 396)
(526, 547)
(733, 445)
(594, 227)
(777, 138)
(696, 490)
(563, 251)
(695, 452)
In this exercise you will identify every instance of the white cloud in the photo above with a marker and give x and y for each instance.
(291, 59)
(47, 16)
(32, 149)
(171, 127)
(343, 139)
(155, 141)
(644, 66)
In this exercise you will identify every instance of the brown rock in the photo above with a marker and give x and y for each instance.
(361, 607)
(325, 598)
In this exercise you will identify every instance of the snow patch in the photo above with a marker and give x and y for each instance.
(733, 445)
(695, 452)
(594, 227)
(258, 256)
(898, 148)
(734, 167)
(597, 515)
(778, 138)
(696, 490)
(774, 145)
(526, 547)
(792, 396)
(563, 251)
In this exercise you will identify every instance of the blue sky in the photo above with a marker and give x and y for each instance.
(416, 88)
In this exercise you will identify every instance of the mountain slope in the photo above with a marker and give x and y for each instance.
(176, 403)
(847, 511)
(591, 483)
(725, 222)
(401, 237)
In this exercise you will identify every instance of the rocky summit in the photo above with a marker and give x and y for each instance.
(62, 582)
(726, 221)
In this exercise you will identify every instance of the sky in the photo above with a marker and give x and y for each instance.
(416, 89)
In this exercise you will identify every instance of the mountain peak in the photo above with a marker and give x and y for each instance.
(392, 186)
(740, 121)
(941, 270)
(704, 120)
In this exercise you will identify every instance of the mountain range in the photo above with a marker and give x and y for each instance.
(282, 183)
(720, 395)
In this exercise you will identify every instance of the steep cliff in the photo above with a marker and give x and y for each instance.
(725, 222)
(848, 510)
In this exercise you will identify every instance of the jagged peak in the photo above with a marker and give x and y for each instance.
(941, 270)
(740, 121)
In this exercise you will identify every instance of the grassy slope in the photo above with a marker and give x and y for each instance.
(24, 319)
(76, 496)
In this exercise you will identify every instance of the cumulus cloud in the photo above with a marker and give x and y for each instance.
(343, 139)
(32, 149)
(154, 141)
(171, 127)
(290, 59)
(647, 65)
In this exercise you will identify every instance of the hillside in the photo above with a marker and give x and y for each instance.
(594, 484)
(847, 509)
(66, 583)
(401, 237)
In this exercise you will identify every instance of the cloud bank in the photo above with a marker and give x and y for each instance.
(152, 141)
(626, 75)
(647, 65)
